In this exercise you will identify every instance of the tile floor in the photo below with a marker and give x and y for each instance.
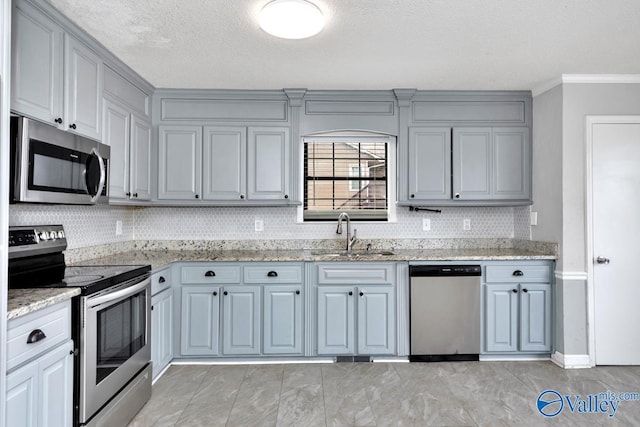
(382, 394)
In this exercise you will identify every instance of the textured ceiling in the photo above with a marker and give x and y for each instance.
(368, 44)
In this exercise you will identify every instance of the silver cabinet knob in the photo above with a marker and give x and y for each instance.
(602, 260)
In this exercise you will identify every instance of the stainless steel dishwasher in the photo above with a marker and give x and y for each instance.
(445, 312)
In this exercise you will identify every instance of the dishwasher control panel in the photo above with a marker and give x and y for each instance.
(444, 270)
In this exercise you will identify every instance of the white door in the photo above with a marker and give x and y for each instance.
(615, 233)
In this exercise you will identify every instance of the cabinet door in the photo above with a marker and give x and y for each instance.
(180, 162)
(376, 323)
(37, 64)
(22, 395)
(115, 133)
(501, 317)
(55, 400)
(268, 155)
(140, 166)
(83, 88)
(161, 330)
(241, 320)
(336, 321)
(471, 163)
(430, 164)
(535, 317)
(511, 163)
(224, 167)
(200, 320)
(283, 319)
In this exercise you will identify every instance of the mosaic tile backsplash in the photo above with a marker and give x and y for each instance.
(96, 225)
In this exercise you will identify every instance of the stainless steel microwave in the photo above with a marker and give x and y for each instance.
(52, 166)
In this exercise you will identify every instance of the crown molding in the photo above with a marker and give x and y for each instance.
(586, 79)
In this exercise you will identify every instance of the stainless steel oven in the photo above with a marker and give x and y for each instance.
(52, 166)
(110, 323)
(113, 342)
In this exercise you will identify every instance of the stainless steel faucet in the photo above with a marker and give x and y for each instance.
(350, 239)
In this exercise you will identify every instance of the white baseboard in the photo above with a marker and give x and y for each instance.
(571, 361)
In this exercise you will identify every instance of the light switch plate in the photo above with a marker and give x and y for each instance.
(426, 224)
(118, 228)
(534, 218)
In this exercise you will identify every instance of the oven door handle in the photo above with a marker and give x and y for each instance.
(114, 297)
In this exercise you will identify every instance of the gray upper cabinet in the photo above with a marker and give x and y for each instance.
(130, 139)
(56, 78)
(268, 163)
(472, 164)
(140, 165)
(225, 171)
(469, 165)
(115, 133)
(465, 148)
(512, 163)
(83, 88)
(224, 165)
(430, 163)
(37, 64)
(180, 162)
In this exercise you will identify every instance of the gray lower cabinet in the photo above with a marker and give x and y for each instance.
(282, 320)
(517, 309)
(200, 320)
(161, 330)
(39, 386)
(241, 309)
(451, 166)
(356, 320)
(40, 393)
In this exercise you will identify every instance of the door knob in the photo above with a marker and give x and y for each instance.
(602, 260)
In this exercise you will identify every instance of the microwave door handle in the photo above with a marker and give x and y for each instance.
(118, 295)
(96, 196)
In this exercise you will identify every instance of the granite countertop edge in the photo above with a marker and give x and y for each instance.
(21, 302)
(160, 259)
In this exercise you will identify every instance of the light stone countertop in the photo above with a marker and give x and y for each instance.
(161, 258)
(24, 301)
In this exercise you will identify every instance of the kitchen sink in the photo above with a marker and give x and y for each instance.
(354, 254)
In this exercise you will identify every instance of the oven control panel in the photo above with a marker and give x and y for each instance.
(34, 240)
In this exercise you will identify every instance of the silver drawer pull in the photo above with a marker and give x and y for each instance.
(35, 336)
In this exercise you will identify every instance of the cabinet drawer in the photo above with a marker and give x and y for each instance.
(347, 273)
(160, 281)
(273, 273)
(54, 322)
(211, 274)
(511, 273)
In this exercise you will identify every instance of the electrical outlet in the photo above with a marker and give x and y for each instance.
(118, 228)
(534, 218)
(259, 225)
(466, 224)
(426, 224)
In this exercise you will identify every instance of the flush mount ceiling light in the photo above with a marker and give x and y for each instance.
(291, 19)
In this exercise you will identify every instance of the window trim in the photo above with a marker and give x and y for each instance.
(351, 137)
